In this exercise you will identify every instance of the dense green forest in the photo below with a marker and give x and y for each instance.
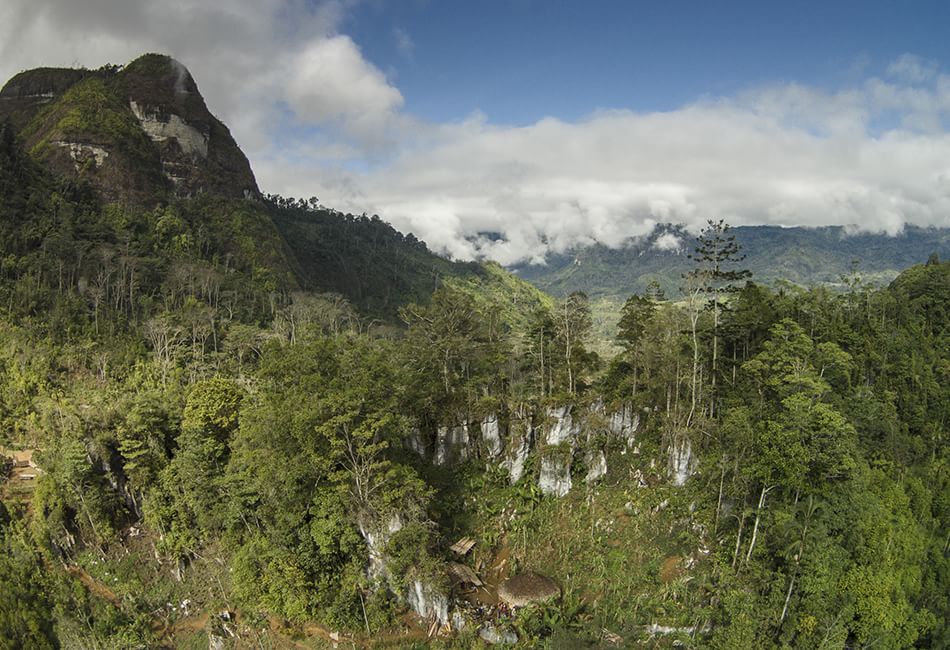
(258, 422)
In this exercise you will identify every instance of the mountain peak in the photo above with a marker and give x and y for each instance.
(139, 133)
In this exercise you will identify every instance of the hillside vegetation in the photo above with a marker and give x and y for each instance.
(229, 420)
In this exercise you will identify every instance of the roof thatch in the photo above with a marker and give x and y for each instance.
(463, 574)
(463, 546)
(23, 458)
(527, 588)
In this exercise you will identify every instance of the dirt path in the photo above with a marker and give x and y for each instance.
(93, 585)
(493, 574)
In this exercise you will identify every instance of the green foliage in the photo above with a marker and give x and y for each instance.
(145, 439)
(25, 610)
(210, 379)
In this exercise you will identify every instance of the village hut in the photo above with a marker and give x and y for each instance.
(23, 458)
(527, 588)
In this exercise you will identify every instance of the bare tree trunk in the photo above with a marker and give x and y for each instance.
(722, 479)
(541, 341)
(567, 356)
(735, 553)
(694, 310)
(694, 379)
(758, 515)
(788, 597)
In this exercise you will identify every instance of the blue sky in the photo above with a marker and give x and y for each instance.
(555, 124)
(521, 60)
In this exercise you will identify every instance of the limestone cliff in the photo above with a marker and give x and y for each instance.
(139, 134)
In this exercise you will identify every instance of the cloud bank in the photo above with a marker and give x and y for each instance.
(317, 118)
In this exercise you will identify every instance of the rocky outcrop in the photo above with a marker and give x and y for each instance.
(377, 535)
(83, 153)
(415, 442)
(493, 635)
(197, 151)
(562, 434)
(161, 128)
(491, 436)
(596, 465)
(555, 476)
(682, 463)
(429, 603)
(560, 443)
(564, 427)
(425, 598)
(25, 94)
(520, 443)
(624, 424)
(452, 445)
(137, 134)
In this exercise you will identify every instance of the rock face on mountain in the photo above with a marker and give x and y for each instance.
(138, 134)
(140, 137)
(28, 92)
(197, 151)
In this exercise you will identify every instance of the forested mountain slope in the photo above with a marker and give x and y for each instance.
(133, 155)
(213, 434)
(803, 256)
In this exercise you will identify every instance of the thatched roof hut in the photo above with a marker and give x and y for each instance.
(23, 458)
(526, 588)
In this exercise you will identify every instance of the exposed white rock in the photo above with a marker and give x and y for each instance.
(415, 443)
(519, 447)
(429, 603)
(654, 629)
(452, 444)
(495, 636)
(491, 435)
(376, 537)
(564, 427)
(517, 458)
(596, 465)
(81, 152)
(191, 140)
(624, 424)
(682, 462)
(555, 476)
(640, 480)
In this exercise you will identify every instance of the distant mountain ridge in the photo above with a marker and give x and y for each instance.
(803, 256)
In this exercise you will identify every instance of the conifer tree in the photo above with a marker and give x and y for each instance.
(716, 254)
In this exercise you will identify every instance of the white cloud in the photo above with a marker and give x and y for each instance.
(668, 242)
(912, 69)
(872, 154)
(330, 81)
(254, 60)
(404, 43)
(787, 155)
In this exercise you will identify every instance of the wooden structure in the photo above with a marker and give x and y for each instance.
(463, 575)
(463, 546)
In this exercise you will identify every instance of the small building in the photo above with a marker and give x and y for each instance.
(463, 546)
(463, 575)
(528, 588)
(23, 458)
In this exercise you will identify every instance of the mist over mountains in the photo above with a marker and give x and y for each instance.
(802, 256)
(230, 418)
